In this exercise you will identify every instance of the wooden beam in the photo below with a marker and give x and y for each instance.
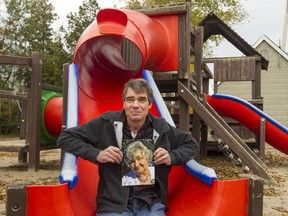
(257, 167)
(13, 60)
(16, 200)
(10, 95)
(23, 120)
(212, 60)
(34, 105)
(184, 116)
(51, 88)
(262, 138)
(164, 10)
(12, 145)
(255, 197)
(65, 95)
(257, 84)
(184, 25)
(199, 32)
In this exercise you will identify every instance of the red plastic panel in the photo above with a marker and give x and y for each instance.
(83, 196)
(189, 196)
(48, 201)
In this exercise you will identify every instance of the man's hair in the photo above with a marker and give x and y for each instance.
(131, 149)
(139, 86)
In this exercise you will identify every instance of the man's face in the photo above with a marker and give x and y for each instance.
(140, 163)
(136, 106)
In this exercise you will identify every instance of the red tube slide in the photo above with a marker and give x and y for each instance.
(250, 116)
(102, 72)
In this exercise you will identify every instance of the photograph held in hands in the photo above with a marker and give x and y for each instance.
(138, 165)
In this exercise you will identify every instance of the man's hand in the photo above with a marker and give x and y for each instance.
(111, 154)
(161, 156)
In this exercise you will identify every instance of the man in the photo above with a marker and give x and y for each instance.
(100, 141)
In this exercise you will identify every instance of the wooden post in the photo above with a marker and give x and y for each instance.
(198, 73)
(199, 34)
(262, 138)
(204, 128)
(16, 200)
(65, 96)
(34, 113)
(204, 141)
(23, 119)
(256, 85)
(256, 94)
(184, 65)
(184, 25)
(215, 87)
(255, 197)
(65, 92)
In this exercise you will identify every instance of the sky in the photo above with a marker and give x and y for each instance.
(265, 17)
(62, 7)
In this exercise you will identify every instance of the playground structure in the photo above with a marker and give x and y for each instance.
(41, 116)
(105, 54)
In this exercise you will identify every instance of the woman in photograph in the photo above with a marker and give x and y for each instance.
(139, 159)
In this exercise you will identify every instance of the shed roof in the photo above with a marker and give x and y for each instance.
(213, 25)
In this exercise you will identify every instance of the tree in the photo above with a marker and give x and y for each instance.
(56, 55)
(78, 22)
(230, 11)
(2, 12)
(28, 27)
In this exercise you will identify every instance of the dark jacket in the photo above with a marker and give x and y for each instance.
(87, 140)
